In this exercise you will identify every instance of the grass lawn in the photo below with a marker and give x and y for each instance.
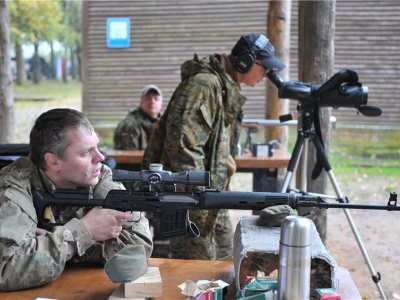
(357, 152)
(48, 90)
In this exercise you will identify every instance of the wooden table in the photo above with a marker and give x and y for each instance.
(247, 161)
(132, 157)
(279, 160)
(264, 169)
(89, 282)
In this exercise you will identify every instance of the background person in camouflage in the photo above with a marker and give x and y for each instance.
(63, 154)
(199, 131)
(133, 132)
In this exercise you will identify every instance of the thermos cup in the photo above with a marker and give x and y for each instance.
(294, 259)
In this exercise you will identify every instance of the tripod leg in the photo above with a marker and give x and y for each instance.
(320, 151)
(376, 277)
(293, 162)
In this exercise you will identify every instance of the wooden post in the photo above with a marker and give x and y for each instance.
(279, 35)
(316, 60)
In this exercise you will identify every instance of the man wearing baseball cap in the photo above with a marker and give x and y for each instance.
(133, 132)
(199, 131)
(255, 49)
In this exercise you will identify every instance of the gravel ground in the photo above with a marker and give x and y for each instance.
(26, 113)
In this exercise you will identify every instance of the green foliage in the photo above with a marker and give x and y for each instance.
(72, 22)
(34, 21)
(46, 20)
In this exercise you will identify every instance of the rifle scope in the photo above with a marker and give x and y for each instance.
(153, 178)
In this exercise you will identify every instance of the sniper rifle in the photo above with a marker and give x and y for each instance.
(171, 207)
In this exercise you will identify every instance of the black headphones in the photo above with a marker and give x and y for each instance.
(245, 60)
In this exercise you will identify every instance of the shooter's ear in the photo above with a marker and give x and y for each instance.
(52, 161)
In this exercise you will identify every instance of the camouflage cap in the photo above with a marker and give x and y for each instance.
(127, 265)
(274, 215)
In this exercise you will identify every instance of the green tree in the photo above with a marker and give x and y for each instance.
(76, 28)
(34, 21)
(71, 37)
(19, 26)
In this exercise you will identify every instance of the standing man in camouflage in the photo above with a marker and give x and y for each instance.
(133, 132)
(63, 155)
(200, 128)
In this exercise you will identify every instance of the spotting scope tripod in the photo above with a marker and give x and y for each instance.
(342, 90)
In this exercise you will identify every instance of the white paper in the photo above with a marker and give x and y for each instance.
(191, 289)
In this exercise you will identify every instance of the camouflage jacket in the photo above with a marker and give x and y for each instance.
(133, 132)
(192, 132)
(27, 260)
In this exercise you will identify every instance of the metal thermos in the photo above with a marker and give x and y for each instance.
(294, 259)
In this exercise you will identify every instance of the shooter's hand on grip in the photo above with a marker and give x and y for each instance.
(104, 224)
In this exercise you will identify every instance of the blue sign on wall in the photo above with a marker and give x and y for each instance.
(118, 33)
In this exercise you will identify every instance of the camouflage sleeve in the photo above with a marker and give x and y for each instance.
(127, 135)
(235, 137)
(28, 260)
(192, 121)
(135, 231)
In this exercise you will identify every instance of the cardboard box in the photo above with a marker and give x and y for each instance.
(147, 286)
(327, 294)
(262, 149)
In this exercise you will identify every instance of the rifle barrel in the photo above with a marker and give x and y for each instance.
(348, 205)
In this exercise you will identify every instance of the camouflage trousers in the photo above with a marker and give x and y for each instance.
(214, 242)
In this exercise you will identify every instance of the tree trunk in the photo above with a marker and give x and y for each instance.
(52, 62)
(66, 23)
(7, 135)
(64, 67)
(279, 35)
(20, 62)
(316, 61)
(78, 52)
(73, 63)
(36, 65)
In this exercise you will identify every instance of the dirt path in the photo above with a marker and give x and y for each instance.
(379, 233)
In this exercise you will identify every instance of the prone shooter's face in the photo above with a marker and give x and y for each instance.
(82, 164)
